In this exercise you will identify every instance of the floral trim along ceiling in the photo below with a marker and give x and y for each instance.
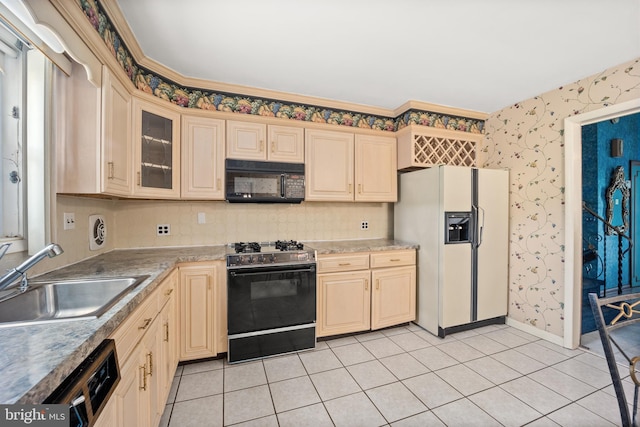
(150, 82)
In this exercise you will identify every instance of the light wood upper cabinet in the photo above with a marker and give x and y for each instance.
(257, 141)
(246, 140)
(93, 150)
(329, 165)
(286, 144)
(341, 167)
(156, 142)
(116, 137)
(203, 156)
(376, 173)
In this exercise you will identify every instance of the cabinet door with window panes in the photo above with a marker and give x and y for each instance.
(156, 139)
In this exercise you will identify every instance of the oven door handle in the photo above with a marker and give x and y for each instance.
(265, 271)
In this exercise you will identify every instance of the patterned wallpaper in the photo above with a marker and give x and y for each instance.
(528, 138)
(150, 82)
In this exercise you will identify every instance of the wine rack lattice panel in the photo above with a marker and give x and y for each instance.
(431, 150)
(422, 148)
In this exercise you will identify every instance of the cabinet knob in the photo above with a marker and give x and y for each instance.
(139, 179)
(350, 188)
(110, 175)
(377, 284)
(344, 264)
(366, 284)
(168, 292)
(359, 188)
(273, 146)
(219, 183)
(166, 332)
(261, 146)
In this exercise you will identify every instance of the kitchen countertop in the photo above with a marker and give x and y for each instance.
(35, 359)
(349, 246)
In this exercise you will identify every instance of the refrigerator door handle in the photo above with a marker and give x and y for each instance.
(479, 240)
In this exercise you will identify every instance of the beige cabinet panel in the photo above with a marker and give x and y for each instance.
(109, 415)
(197, 316)
(116, 138)
(156, 142)
(367, 290)
(168, 333)
(203, 156)
(286, 144)
(94, 153)
(154, 361)
(393, 300)
(257, 141)
(131, 395)
(246, 140)
(376, 173)
(343, 303)
(222, 343)
(329, 165)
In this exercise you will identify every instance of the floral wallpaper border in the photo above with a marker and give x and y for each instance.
(154, 84)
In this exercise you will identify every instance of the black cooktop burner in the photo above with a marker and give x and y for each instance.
(248, 247)
(280, 245)
(290, 245)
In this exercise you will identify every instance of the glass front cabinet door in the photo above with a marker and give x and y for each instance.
(157, 150)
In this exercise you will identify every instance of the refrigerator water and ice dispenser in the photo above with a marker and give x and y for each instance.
(457, 227)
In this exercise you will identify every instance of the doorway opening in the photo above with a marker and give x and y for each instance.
(574, 212)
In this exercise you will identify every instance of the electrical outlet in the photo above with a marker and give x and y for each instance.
(164, 229)
(201, 218)
(69, 221)
(364, 225)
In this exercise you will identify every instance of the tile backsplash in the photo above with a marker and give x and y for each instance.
(137, 221)
(133, 224)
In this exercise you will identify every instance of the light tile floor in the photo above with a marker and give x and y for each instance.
(404, 376)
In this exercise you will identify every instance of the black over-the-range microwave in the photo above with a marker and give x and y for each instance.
(249, 181)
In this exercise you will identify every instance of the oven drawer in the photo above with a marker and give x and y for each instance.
(337, 263)
(392, 258)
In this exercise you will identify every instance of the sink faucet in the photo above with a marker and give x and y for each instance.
(10, 280)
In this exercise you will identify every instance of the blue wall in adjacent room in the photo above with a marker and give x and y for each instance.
(597, 168)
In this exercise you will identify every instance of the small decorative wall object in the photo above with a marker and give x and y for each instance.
(617, 197)
(616, 147)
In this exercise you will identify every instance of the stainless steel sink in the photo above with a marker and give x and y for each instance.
(62, 300)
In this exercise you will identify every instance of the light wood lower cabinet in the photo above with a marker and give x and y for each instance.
(202, 307)
(344, 303)
(146, 351)
(358, 292)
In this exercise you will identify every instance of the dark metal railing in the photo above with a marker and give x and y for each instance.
(618, 231)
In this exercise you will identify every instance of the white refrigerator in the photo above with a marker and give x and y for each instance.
(460, 218)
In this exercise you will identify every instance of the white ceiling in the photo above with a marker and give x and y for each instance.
(471, 54)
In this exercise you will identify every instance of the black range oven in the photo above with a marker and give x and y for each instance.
(271, 299)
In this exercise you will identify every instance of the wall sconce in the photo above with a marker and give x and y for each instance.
(616, 147)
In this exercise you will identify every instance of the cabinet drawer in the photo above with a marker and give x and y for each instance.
(333, 263)
(167, 288)
(393, 258)
(134, 327)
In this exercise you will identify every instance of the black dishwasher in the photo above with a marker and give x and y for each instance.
(88, 388)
